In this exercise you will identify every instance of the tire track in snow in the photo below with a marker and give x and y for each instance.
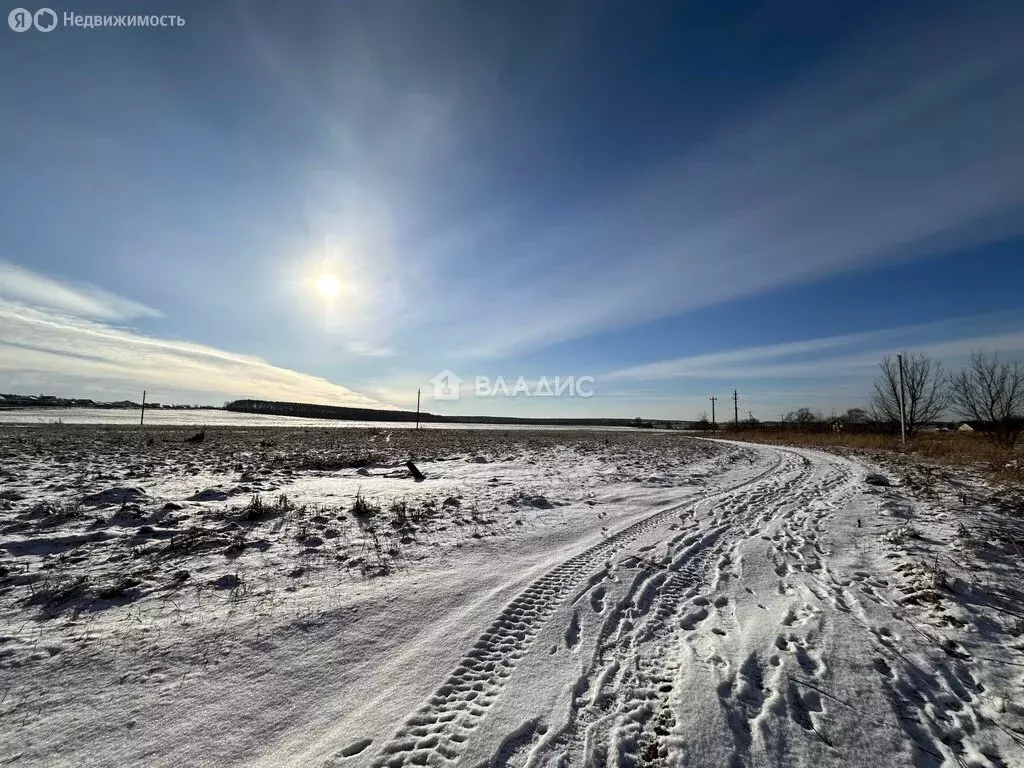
(796, 540)
(436, 733)
(759, 690)
(622, 712)
(627, 717)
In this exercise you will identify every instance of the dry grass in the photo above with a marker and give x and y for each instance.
(952, 449)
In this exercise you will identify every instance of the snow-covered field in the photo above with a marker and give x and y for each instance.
(275, 597)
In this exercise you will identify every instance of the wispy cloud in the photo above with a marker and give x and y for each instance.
(83, 300)
(833, 357)
(750, 359)
(829, 373)
(896, 148)
(42, 342)
(54, 332)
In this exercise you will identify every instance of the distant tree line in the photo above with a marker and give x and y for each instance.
(314, 411)
(987, 394)
(52, 401)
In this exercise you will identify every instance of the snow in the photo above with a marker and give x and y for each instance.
(215, 417)
(541, 598)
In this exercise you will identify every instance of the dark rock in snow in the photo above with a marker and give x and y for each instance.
(227, 581)
(127, 513)
(540, 502)
(876, 479)
(210, 494)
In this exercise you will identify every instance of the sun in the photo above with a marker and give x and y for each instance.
(327, 285)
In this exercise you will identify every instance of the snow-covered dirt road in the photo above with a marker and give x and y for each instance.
(673, 603)
(750, 626)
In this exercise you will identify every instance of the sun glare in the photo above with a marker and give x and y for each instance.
(327, 285)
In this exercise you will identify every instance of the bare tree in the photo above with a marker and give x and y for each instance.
(802, 417)
(856, 416)
(993, 392)
(925, 396)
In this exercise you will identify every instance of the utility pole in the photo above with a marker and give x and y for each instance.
(736, 407)
(903, 422)
(417, 409)
(713, 399)
(142, 416)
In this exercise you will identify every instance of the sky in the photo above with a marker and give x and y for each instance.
(334, 202)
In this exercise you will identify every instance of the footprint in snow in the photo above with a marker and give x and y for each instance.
(883, 668)
(572, 632)
(355, 747)
(691, 620)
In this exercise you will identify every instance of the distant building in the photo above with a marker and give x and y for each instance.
(965, 427)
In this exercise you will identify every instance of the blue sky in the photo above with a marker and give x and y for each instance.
(674, 198)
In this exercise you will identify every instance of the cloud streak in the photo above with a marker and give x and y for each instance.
(832, 357)
(22, 285)
(899, 147)
(53, 332)
(42, 342)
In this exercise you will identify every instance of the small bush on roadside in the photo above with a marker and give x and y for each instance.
(938, 576)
